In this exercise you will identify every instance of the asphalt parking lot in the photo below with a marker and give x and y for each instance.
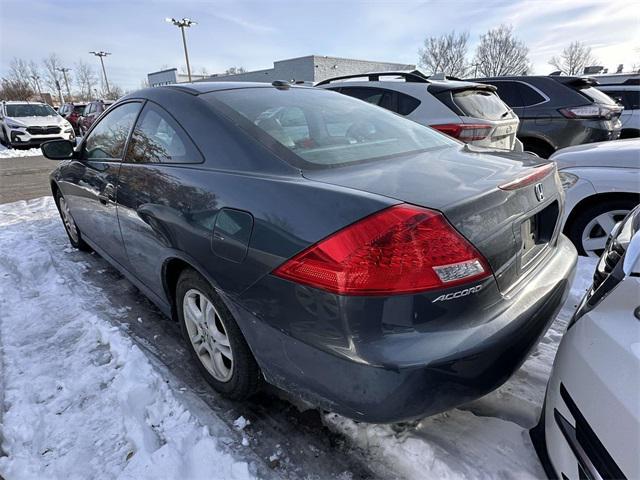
(24, 178)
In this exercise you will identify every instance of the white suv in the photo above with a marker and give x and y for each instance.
(590, 422)
(31, 123)
(470, 112)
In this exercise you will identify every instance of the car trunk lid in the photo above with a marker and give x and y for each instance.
(509, 227)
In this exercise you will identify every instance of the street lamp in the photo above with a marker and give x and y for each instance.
(102, 55)
(35, 78)
(64, 71)
(185, 22)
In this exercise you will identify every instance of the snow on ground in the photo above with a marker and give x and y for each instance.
(15, 152)
(80, 399)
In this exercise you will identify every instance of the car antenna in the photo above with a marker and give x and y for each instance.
(281, 84)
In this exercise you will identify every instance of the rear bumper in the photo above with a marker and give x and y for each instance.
(347, 360)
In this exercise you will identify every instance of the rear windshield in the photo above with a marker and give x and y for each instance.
(481, 104)
(78, 108)
(29, 110)
(323, 128)
(597, 96)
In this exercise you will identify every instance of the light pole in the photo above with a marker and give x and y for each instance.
(35, 79)
(104, 72)
(182, 24)
(64, 71)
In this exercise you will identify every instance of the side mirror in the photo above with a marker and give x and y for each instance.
(631, 260)
(58, 149)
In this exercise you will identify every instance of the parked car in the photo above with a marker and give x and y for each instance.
(72, 111)
(24, 124)
(470, 112)
(602, 185)
(627, 95)
(558, 111)
(91, 111)
(360, 242)
(590, 422)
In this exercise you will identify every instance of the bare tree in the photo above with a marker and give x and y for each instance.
(573, 59)
(16, 85)
(234, 70)
(500, 53)
(446, 54)
(53, 76)
(86, 80)
(34, 75)
(114, 93)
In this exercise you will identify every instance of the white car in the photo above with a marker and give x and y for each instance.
(29, 124)
(470, 112)
(590, 422)
(627, 95)
(602, 184)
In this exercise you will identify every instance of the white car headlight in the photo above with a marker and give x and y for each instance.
(568, 179)
(11, 124)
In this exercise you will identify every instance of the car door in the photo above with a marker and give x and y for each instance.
(160, 206)
(91, 180)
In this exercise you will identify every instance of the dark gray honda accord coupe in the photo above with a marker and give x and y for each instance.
(363, 262)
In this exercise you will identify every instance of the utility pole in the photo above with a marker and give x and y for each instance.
(182, 24)
(60, 97)
(64, 71)
(35, 79)
(104, 72)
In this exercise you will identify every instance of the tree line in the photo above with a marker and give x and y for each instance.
(27, 80)
(498, 53)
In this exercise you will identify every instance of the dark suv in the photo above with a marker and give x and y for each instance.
(92, 111)
(558, 111)
(72, 112)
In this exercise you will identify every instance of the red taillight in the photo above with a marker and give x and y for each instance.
(402, 249)
(465, 132)
(537, 174)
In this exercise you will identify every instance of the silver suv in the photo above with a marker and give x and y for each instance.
(28, 124)
(471, 112)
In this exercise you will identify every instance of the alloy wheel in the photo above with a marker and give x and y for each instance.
(67, 219)
(596, 233)
(208, 335)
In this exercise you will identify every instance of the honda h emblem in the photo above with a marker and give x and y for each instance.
(539, 192)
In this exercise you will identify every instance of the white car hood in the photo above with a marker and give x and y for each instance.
(39, 121)
(616, 153)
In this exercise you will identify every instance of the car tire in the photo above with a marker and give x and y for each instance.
(214, 338)
(588, 229)
(73, 232)
(541, 149)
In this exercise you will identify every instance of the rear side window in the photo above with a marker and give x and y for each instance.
(632, 99)
(517, 94)
(375, 96)
(481, 104)
(157, 138)
(406, 103)
(109, 136)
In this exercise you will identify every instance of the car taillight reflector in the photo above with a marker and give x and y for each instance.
(465, 132)
(538, 173)
(592, 111)
(402, 249)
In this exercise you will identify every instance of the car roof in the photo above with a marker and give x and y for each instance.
(197, 88)
(22, 102)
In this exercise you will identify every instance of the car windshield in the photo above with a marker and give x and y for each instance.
(597, 96)
(78, 108)
(479, 103)
(324, 128)
(27, 110)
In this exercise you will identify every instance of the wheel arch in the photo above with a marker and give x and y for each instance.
(594, 200)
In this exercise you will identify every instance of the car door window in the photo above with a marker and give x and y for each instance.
(528, 95)
(157, 138)
(108, 138)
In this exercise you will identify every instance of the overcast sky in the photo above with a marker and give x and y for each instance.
(254, 34)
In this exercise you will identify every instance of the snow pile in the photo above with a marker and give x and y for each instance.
(15, 152)
(80, 400)
(485, 439)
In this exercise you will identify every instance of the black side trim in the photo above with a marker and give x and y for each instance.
(593, 458)
(538, 438)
